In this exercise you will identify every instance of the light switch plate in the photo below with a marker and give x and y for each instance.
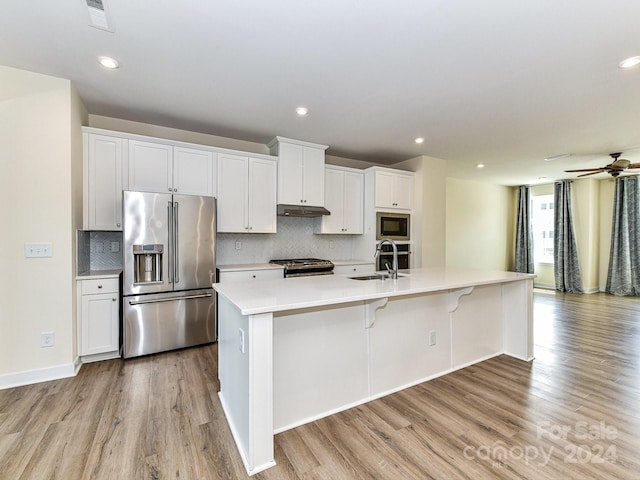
(38, 250)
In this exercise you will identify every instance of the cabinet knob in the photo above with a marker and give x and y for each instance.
(250, 228)
(170, 189)
(114, 299)
(118, 225)
(99, 286)
(254, 276)
(175, 189)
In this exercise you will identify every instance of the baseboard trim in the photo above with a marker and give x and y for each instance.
(47, 374)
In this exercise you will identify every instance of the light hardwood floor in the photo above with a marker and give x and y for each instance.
(574, 412)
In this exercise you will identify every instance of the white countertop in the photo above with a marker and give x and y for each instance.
(277, 295)
(353, 262)
(98, 274)
(241, 267)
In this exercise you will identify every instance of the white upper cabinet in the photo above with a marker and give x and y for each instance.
(162, 168)
(150, 167)
(300, 172)
(393, 189)
(194, 171)
(344, 198)
(246, 194)
(105, 176)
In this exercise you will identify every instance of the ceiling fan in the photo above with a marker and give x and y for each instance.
(615, 168)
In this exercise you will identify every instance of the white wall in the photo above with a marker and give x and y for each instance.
(429, 212)
(607, 191)
(40, 151)
(585, 207)
(479, 225)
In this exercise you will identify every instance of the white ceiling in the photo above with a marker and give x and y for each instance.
(499, 82)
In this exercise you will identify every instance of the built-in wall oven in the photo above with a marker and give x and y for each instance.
(386, 256)
(395, 226)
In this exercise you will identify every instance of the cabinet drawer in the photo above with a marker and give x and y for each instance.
(248, 275)
(100, 285)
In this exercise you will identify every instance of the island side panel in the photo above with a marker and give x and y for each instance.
(245, 370)
(401, 350)
(476, 326)
(517, 322)
(320, 363)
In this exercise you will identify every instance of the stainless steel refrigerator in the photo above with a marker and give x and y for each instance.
(169, 266)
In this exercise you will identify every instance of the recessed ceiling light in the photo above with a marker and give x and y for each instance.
(629, 62)
(480, 165)
(108, 62)
(302, 111)
(419, 140)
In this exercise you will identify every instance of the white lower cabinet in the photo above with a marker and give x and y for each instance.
(248, 275)
(99, 322)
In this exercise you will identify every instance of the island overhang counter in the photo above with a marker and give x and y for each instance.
(294, 350)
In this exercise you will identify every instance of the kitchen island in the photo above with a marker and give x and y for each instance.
(294, 350)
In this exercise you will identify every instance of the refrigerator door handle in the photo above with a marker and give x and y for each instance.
(172, 299)
(170, 241)
(176, 249)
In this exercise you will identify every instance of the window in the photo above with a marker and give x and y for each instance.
(542, 227)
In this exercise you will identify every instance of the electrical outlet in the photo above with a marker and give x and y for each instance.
(332, 244)
(38, 250)
(238, 245)
(99, 247)
(46, 339)
(432, 338)
(115, 247)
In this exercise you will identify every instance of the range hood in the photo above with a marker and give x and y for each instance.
(301, 211)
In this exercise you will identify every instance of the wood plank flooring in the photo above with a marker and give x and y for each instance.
(574, 412)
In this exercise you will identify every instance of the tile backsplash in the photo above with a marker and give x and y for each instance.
(98, 250)
(295, 239)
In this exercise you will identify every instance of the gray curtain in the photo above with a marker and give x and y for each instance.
(524, 235)
(624, 260)
(565, 254)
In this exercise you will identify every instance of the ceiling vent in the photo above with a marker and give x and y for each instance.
(98, 15)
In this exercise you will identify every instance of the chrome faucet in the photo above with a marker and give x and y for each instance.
(393, 271)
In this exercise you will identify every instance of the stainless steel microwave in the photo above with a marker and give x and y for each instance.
(395, 226)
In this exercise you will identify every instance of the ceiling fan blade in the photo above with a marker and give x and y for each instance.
(619, 164)
(586, 170)
(599, 170)
(634, 165)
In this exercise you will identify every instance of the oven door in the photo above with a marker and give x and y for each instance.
(386, 258)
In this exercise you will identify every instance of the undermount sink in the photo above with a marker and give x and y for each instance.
(372, 276)
(377, 276)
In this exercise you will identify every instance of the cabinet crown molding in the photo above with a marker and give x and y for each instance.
(277, 140)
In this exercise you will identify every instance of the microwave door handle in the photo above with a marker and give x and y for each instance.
(176, 257)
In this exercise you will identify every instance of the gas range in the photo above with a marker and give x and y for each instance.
(302, 267)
